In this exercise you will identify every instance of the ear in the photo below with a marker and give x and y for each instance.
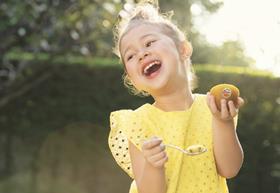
(186, 49)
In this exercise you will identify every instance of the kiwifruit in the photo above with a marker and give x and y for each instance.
(225, 91)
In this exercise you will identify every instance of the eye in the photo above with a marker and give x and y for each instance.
(149, 43)
(129, 57)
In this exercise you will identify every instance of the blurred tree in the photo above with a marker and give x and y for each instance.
(75, 27)
(78, 27)
(230, 53)
(184, 15)
(84, 27)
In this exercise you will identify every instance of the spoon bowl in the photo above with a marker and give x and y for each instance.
(191, 150)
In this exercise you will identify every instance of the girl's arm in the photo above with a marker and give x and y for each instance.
(148, 166)
(227, 149)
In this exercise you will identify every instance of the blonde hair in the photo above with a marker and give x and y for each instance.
(148, 13)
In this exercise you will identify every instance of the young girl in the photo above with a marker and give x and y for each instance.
(156, 58)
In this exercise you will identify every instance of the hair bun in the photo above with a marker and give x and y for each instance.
(129, 8)
(152, 2)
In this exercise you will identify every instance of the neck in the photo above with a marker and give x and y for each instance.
(178, 100)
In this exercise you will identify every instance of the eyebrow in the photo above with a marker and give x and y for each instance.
(142, 37)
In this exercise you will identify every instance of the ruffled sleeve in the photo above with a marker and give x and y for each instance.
(126, 126)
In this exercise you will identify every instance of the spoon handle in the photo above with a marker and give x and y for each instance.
(191, 150)
(176, 147)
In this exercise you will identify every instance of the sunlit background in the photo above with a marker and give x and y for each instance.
(59, 81)
(255, 23)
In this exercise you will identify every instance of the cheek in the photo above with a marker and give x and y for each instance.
(127, 67)
(169, 49)
(171, 54)
(133, 76)
(130, 69)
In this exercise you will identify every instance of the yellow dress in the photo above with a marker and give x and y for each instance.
(184, 174)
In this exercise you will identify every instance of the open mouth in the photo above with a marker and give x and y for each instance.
(151, 68)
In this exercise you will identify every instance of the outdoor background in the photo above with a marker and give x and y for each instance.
(59, 81)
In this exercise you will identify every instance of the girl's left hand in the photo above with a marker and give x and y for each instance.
(228, 109)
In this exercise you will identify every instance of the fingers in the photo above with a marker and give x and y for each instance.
(240, 102)
(153, 142)
(224, 109)
(154, 152)
(212, 104)
(161, 162)
(228, 109)
(232, 109)
(158, 160)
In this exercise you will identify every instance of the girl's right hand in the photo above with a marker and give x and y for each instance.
(154, 152)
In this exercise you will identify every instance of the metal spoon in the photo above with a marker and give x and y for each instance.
(191, 150)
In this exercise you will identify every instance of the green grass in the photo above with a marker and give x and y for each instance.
(231, 69)
(101, 61)
(65, 59)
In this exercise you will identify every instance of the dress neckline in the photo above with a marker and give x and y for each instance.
(150, 106)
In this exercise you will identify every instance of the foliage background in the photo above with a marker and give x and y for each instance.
(59, 81)
(54, 138)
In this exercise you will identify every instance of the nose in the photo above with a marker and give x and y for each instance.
(143, 55)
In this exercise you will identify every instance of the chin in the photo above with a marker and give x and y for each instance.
(161, 86)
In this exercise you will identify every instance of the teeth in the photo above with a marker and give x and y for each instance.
(149, 66)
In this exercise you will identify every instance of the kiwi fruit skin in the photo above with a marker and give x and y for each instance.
(225, 91)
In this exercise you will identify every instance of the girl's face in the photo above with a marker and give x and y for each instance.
(151, 59)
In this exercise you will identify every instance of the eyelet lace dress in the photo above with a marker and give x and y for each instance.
(184, 174)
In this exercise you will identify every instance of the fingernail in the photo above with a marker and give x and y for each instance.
(159, 139)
